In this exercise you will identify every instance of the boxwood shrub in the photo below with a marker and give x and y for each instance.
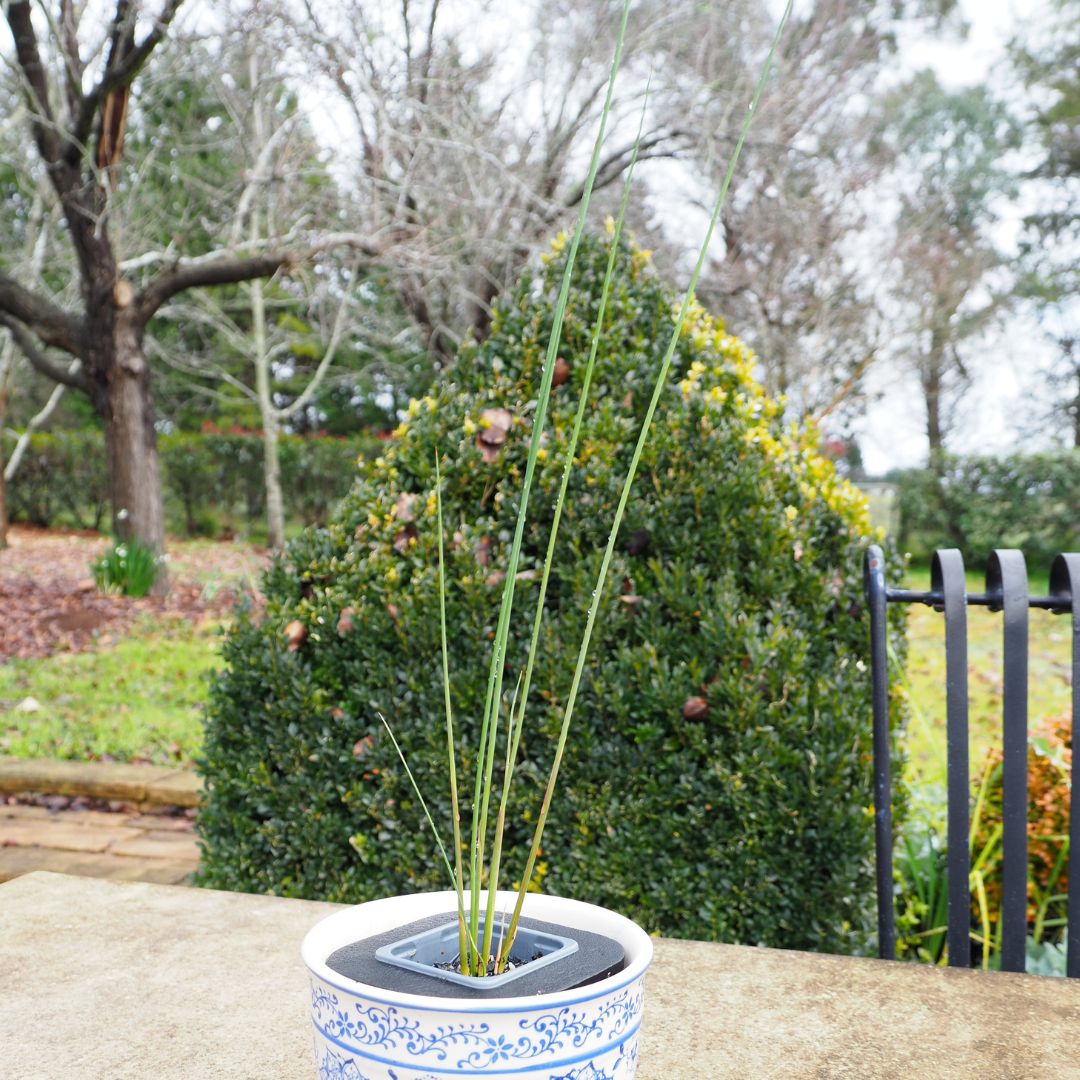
(718, 783)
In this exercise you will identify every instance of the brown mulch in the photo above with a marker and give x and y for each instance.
(51, 604)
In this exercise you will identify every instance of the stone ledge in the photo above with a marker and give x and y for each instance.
(16, 861)
(149, 784)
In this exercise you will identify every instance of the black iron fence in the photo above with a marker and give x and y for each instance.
(1006, 592)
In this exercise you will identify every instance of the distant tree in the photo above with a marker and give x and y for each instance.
(948, 267)
(466, 155)
(1047, 57)
(789, 279)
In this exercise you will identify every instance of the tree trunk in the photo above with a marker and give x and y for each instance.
(932, 373)
(131, 439)
(7, 361)
(275, 511)
(3, 492)
(275, 508)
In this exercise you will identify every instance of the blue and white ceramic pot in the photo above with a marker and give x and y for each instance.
(363, 1032)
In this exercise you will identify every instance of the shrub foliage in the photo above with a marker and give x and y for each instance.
(718, 779)
(1025, 501)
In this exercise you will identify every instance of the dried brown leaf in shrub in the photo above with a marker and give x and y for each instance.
(695, 708)
(405, 539)
(494, 429)
(403, 508)
(295, 634)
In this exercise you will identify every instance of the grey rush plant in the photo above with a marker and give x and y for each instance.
(476, 932)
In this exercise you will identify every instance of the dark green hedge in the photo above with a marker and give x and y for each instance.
(1029, 501)
(213, 483)
(743, 816)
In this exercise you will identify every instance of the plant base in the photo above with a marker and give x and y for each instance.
(596, 957)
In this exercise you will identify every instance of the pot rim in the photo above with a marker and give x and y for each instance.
(340, 928)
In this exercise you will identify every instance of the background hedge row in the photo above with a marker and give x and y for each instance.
(1031, 502)
(213, 483)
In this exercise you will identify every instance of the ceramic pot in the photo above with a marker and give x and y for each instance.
(364, 1032)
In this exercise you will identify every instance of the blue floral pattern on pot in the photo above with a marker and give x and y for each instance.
(588, 1040)
(473, 1046)
(337, 1066)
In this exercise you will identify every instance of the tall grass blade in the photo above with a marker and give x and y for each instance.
(661, 381)
(489, 728)
(451, 749)
(430, 819)
(560, 502)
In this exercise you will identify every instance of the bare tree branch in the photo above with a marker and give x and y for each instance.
(217, 272)
(42, 361)
(221, 270)
(123, 63)
(50, 323)
(35, 421)
(36, 79)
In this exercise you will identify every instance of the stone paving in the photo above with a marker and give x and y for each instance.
(145, 835)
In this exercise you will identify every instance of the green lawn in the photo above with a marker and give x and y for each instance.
(1048, 679)
(139, 699)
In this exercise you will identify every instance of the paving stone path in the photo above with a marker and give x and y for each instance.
(148, 837)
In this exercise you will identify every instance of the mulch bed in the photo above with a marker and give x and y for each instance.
(51, 603)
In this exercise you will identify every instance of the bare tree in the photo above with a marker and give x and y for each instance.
(78, 94)
(39, 223)
(270, 325)
(465, 155)
(470, 154)
(788, 275)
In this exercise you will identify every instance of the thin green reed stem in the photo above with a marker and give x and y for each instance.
(568, 461)
(661, 380)
(451, 752)
(489, 729)
(500, 821)
(430, 820)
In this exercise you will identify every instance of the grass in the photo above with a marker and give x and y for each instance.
(1048, 681)
(139, 699)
